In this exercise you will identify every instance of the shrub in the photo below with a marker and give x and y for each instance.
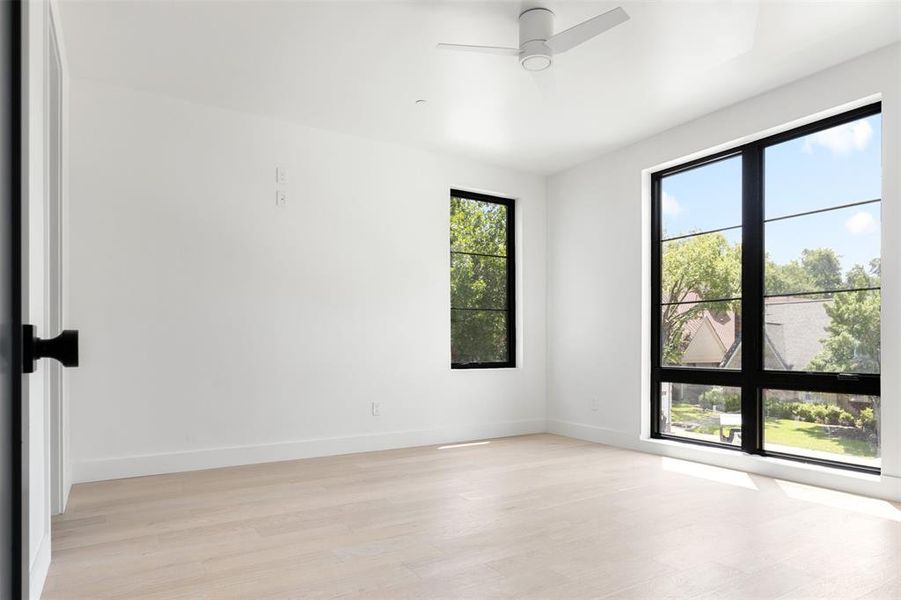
(832, 414)
(819, 412)
(722, 400)
(804, 412)
(780, 410)
(867, 420)
(828, 414)
(846, 419)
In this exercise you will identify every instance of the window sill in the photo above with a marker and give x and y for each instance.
(769, 466)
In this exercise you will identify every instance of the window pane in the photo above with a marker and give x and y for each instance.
(836, 427)
(478, 281)
(838, 249)
(701, 267)
(832, 167)
(478, 336)
(702, 412)
(479, 227)
(482, 320)
(832, 333)
(704, 334)
(701, 199)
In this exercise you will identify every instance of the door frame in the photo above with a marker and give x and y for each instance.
(17, 448)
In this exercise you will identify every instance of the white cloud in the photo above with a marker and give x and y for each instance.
(842, 139)
(670, 205)
(861, 223)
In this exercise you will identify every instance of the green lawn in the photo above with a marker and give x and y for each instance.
(700, 420)
(784, 432)
(813, 436)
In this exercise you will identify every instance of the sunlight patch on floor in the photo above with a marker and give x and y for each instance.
(464, 445)
(850, 502)
(711, 473)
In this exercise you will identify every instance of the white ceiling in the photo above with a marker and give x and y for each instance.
(358, 67)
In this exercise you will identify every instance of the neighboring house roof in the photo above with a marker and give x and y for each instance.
(795, 329)
(722, 322)
(709, 337)
(771, 356)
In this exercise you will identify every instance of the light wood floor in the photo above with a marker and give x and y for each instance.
(536, 516)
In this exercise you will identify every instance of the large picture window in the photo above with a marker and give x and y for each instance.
(766, 295)
(483, 307)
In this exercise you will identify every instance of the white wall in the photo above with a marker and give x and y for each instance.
(598, 277)
(220, 329)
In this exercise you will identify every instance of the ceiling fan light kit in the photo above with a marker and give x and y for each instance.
(537, 41)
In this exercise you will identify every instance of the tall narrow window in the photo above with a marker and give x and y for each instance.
(483, 308)
(766, 283)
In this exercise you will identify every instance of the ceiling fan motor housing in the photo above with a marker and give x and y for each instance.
(536, 26)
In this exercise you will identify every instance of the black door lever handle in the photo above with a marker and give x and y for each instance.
(63, 348)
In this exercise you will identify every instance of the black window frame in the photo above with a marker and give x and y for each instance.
(510, 311)
(751, 378)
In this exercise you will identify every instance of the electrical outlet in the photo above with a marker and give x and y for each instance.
(595, 404)
(376, 409)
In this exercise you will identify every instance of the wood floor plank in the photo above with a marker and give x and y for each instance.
(537, 516)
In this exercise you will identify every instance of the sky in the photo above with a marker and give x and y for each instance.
(829, 168)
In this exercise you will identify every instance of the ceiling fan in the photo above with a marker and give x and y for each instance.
(537, 41)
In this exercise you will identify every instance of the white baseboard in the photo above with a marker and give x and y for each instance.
(886, 486)
(593, 433)
(211, 458)
(37, 573)
(67, 486)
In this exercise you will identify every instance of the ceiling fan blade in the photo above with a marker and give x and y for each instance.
(545, 81)
(578, 34)
(482, 49)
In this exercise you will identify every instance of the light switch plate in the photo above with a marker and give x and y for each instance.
(281, 198)
(281, 175)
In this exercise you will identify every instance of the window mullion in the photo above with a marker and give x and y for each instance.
(752, 297)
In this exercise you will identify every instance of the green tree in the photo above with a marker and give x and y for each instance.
(823, 266)
(852, 343)
(818, 269)
(705, 267)
(786, 279)
(479, 227)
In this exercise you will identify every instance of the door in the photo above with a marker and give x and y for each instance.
(13, 500)
(27, 177)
